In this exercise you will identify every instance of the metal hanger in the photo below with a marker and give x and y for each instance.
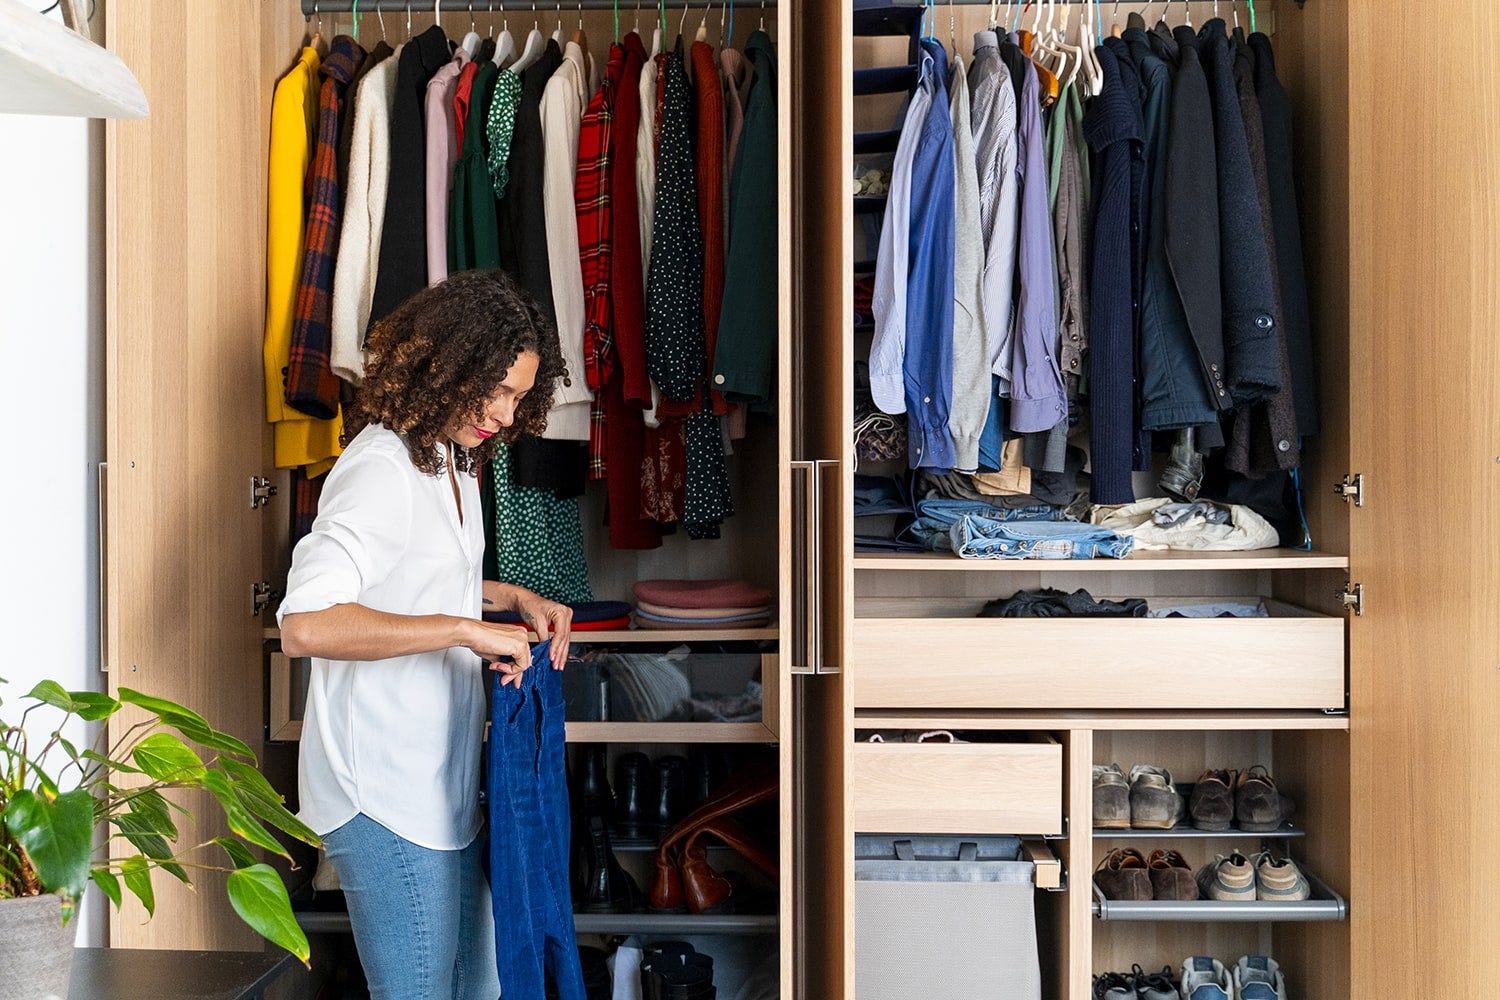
(408, 20)
(381, 15)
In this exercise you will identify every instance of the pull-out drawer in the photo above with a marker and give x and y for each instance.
(1293, 659)
(958, 788)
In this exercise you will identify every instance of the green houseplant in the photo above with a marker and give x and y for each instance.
(48, 818)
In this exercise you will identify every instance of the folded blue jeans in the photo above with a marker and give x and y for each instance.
(530, 823)
(421, 918)
(936, 517)
(976, 537)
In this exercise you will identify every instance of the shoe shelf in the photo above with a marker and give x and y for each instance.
(675, 923)
(1169, 560)
(670, 732)
(335, 922)
(1286, 831)
(1323, 905)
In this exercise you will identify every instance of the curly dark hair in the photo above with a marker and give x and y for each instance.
(440, 355)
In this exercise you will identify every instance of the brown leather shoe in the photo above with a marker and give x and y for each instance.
(666, 885)
(1123, 875)
(1171, 876)
(1258, 806)
(705, 890)
(1212, 803)
(747, 788)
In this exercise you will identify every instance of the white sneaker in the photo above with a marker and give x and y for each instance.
(1205, 978)
(1257, 977)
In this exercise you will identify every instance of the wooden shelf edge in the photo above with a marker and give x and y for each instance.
(1167, 561)
(1025, 719)
(641, 635)
(669, 732)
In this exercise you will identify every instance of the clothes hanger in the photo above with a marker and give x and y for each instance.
(381, 15)
(536, 43)
(354, 19)
(1090, 41)
(557, 36)
(505, 45)
(408, 20)
(656, 32)
(472, 39)
(1250, 5)
(315, 39)
(580, 37)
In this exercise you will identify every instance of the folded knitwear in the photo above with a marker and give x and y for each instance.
(702, 594)
(643, 615)
(602, 614)
(698, 623)
(666, 611)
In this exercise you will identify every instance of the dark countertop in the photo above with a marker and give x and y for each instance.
(142, 974)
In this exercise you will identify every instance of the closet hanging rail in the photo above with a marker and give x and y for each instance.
(310, 7)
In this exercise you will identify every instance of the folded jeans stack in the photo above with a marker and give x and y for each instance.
(701, 604)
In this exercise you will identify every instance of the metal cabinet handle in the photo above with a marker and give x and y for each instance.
(102, 526)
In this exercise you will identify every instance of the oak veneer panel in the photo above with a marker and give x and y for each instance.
(1425, 691)
(185, 276)
(978, 788)
(1115, 664)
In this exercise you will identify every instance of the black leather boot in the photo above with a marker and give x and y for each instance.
(708, 766)
(671, 791)
(594, 797)
(607, 887)
(673, 970)
(635, 796)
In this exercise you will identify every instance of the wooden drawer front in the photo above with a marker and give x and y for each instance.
(1132, 663)
(1013, 788)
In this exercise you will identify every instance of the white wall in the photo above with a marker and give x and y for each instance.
(52, 380)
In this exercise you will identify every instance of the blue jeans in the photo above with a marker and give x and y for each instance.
(530, 823)
(936, 517)
(421, 917)
(976, 537)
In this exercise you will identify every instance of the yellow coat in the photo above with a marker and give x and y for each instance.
(300, 440)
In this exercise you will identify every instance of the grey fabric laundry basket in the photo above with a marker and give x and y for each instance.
(949, 917)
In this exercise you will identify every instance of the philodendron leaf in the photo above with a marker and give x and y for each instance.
(109, 883)
(51, 693)
(142, 833)
(57, 836)
(114, 765)
(91, 706)
(152, 807)
(259, 897)
(189, 723)
(137, 874)
(166, 758)
(257, 795)
(239, 854)
(240, 819)
(160, 706)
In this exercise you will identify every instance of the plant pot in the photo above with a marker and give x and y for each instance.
(36, 950)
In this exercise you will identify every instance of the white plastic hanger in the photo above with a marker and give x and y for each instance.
(1093, 70)
(472, 39)
(505, 45)
(536, 43)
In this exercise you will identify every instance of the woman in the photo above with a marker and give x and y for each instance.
(385, 595)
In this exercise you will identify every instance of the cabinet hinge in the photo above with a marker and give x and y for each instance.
(260, 596)
(1351, 488)
(261, 492)
(1353, 597)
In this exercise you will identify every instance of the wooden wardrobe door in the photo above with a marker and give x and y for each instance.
(185, 245)
(1425, 655)
(824, 303)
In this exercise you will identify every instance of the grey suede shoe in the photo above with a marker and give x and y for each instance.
(1111, 798)
(1154, 802)
(1257, 977)
(1258, 804)
(1205, 978)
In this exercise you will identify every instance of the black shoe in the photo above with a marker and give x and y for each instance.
(1113, 986)
(594, 797)
(708, 766)
(596, 980)
(1153, 985)
(671, 791)
(607, 887)
(635, 796)
(673, 970)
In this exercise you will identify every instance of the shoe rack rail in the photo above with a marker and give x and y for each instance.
(1323, 905)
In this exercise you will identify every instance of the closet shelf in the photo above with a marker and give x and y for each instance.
(1286, 832)
(1022, 720)
(1171, 560)
(1325, 905)
(334, 922)
(644, 635)
(669, 732)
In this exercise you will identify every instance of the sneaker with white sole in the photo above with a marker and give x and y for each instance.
(1257, 977)
(1205, 978)
(1279, 880)
(1230, 880)
(1153, 985)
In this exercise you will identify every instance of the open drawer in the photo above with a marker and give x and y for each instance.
(958, 788)
(1292, 659)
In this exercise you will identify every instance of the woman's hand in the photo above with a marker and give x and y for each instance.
(493, 642)
(548, 618)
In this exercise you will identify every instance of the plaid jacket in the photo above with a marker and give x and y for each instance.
(591, 196)
(311, 386)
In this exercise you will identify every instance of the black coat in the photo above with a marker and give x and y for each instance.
(402, 269)
(1251, 340)
(1276, 121)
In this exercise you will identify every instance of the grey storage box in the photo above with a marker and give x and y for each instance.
(949, 917)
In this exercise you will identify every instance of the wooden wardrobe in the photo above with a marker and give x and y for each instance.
(1384, 726)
